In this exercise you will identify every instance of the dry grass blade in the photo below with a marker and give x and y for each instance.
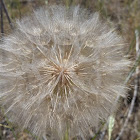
(7, 15)
(1, 14)
(135, 88)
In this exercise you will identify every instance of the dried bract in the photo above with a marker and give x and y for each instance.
(62, 69)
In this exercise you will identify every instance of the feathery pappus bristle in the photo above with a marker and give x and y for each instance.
(62, 69)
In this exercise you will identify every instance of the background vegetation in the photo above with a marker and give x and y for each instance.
(125, 14)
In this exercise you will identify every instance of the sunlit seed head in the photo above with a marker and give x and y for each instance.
(62, 69)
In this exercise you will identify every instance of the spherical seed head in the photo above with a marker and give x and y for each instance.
(61, 69)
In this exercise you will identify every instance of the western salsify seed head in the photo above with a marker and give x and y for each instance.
(61, 69)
